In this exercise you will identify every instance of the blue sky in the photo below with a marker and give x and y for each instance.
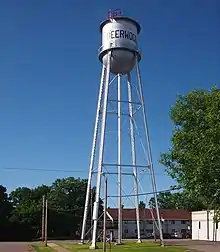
(49, 77)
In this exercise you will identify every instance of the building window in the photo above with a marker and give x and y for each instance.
(183, 231)
(149, 231)
(183, 222)
(150, 222)
(126, 222)
(142, 230)
(216, 225)
(172, 221)
(173, 230)
(199, 225)
(126, 231)
(135, 230)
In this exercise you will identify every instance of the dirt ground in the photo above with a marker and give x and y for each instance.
(13, 247)
(201, 246)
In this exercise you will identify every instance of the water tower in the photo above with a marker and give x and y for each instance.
(119, 55)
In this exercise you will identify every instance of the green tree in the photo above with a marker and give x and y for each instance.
(28, 203)
(21, 212)
(165, 201)
(194, 156)
(66, 199)
(26, 215)
(66, 204)
(142, 204)
(5, 206)
(179, 200)
(5, 213)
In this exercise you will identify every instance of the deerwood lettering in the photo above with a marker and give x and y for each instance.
(122, 34)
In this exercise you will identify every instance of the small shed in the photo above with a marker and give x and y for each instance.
(204, 227)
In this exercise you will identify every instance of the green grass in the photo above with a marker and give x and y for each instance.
(127, 247)
(42, 248)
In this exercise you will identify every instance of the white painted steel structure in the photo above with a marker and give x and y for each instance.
(119, 35)
(119, 54)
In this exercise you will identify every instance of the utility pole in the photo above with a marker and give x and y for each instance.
(43, 219)
(104, 221)
(91, 199)
(154, 231)
(46, 223)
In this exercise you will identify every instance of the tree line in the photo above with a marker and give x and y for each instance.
(21, 210)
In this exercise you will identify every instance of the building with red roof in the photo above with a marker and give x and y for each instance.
(173, 221)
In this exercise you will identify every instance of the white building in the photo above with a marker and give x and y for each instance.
(172, 221)
(204, 227)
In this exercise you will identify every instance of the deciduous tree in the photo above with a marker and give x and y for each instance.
(142, 204)
(22, 211)
(193, 159)
(179, 200)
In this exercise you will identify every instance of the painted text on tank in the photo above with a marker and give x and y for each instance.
(114, 34)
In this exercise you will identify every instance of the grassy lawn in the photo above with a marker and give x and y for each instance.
(127, 247)
(42, 248)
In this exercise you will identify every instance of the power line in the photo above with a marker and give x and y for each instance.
(59, 170)
(42, 169)
(146, 193)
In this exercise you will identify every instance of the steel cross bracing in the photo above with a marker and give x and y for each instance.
(106, 101)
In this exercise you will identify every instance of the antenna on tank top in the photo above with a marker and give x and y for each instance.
(114, 13)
